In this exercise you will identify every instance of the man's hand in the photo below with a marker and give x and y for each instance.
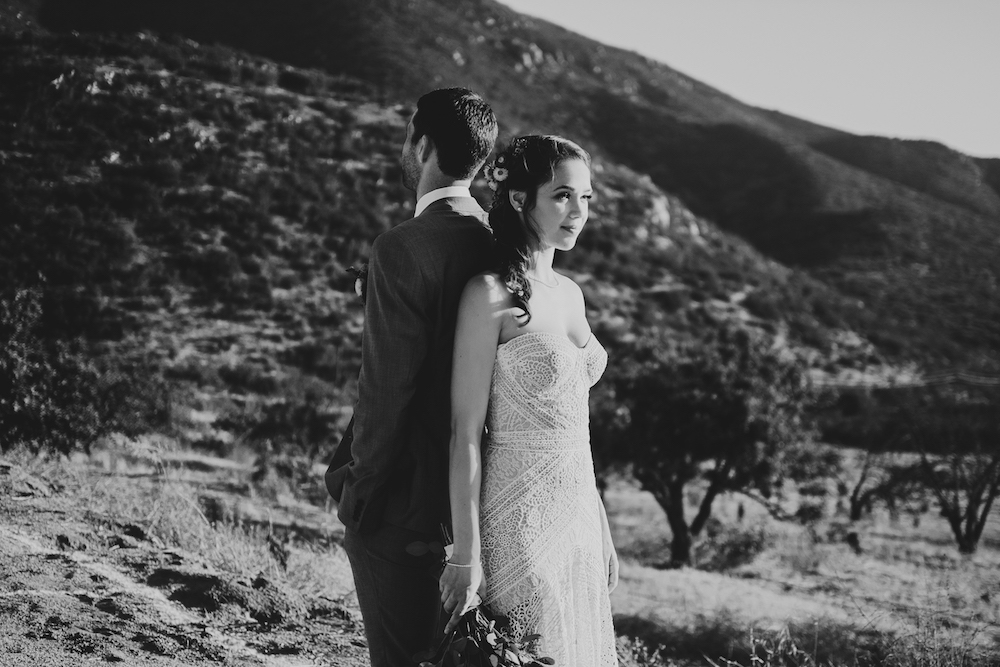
(460, 591)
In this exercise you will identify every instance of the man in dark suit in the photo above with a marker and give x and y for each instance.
(390, 472)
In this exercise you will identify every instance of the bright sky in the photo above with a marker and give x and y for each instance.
(916, 69)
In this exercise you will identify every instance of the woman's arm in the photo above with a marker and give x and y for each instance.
(476, 335)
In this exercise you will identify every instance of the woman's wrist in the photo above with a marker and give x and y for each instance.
(472, 564)
(462, 558)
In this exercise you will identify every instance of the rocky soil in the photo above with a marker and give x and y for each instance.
(80, 589)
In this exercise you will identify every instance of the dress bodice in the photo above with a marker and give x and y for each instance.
(541, 385)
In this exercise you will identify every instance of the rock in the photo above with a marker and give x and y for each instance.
(117, 605)
(135, 532)
(65, 543)
(123, 542)
(263, 600)
(114, 655)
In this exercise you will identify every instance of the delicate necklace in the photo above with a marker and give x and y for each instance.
(542, 282)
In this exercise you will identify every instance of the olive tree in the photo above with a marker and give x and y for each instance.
(725, 411)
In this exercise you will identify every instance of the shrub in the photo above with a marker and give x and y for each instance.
(763, 305)
(56, 396)
(727, 547)
(249, 377)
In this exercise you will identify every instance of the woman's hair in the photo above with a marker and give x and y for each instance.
(524, 165)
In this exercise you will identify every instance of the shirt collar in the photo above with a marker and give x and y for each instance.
(440, 193)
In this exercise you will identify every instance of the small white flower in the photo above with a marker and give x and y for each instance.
(499, 174)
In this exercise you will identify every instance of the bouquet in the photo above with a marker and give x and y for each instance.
(483, 640)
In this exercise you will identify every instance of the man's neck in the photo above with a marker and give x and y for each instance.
(440, 193)
(429, 185)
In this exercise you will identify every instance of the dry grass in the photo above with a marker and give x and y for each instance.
(181, 508)
(908, 600)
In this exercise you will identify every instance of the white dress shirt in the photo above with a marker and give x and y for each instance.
(440, 193)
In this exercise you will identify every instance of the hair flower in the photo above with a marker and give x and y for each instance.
(515, 288)
(496, 174)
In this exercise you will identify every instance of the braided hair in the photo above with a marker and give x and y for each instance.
(525, 165)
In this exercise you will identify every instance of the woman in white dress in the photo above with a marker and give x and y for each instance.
(531, 534)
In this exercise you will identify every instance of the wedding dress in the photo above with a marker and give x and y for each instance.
(539, 518)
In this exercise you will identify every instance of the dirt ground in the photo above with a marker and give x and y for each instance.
(76, 591)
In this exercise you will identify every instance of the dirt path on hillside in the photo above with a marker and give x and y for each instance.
(74, 592)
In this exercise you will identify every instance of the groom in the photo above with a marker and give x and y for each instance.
(390, 472)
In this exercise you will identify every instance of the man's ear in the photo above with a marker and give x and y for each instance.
(425, 148)
(517, 199)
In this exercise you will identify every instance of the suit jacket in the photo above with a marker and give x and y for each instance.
(392, 464)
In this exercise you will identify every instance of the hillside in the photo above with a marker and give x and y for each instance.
(194, 210)
(905, 229)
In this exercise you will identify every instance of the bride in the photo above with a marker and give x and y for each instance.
(531, 534)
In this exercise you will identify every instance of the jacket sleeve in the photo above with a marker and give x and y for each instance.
(394, 349)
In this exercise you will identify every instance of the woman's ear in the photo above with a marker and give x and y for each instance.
(517, 199)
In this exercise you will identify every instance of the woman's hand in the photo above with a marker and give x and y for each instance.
(460, 591)
(611, 562)
(608, 547)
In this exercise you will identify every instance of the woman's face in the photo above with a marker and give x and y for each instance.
(562, 205)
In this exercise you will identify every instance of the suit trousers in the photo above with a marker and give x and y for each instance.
(396, 573)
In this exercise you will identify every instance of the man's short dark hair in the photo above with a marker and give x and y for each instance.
(462, 126)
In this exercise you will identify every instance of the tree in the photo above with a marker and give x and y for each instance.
(725, 411)
(885, 477)
(957, 434)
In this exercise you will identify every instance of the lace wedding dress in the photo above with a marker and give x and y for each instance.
(539, 518)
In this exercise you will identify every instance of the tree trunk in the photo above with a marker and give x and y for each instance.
(967, 544)
(669, 494)
(680, 545)
(680, 548)
(705, 509)
(967, 541)
(855, 511)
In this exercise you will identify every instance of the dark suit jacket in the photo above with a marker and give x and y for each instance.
(392, 465)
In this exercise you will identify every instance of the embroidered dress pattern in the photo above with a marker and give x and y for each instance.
(540, 519)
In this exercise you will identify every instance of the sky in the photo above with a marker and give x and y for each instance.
(915, 69)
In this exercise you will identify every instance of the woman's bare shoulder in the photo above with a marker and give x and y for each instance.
(571, 286)
(487, 291)
(487, 283)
